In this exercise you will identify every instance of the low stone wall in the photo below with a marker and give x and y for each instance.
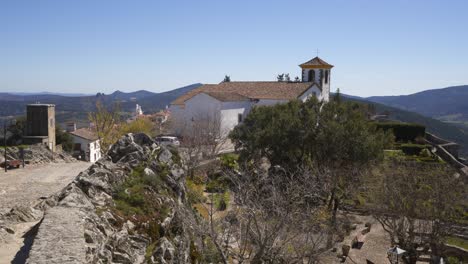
(448, 151)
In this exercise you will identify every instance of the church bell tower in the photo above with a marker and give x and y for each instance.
(317, 71)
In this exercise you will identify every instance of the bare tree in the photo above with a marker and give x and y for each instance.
(105, 121)
(277, 218)
(415, 202)
(202, 138)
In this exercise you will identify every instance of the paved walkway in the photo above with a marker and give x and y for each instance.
(60, 238)
(23, 187)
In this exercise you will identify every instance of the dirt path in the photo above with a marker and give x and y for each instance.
(374, 249)
(26, 186)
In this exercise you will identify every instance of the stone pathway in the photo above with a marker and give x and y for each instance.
(23, 187)
(374, 248)
(61, 235)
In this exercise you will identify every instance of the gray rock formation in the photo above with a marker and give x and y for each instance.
(38, 154)
(84, 223)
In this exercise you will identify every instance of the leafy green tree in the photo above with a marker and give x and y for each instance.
(335, 139)
(140, 125)
(280, 77)
(63, 138)
(227, 78)
(17, 131)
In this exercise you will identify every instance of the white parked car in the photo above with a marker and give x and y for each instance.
(167, 140)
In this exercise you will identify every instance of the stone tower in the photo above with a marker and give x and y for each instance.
(318, 71)
(40, 125)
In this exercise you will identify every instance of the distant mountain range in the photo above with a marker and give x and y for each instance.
(443, 111)
(75, 108)
(50, 93)
(447, 104)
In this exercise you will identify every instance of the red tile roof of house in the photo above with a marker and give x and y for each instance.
(238, 91)
(85, 133)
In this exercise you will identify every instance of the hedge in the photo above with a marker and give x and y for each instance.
(403, 132)
(413, 149)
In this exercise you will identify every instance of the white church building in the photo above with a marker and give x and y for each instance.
(231, 102)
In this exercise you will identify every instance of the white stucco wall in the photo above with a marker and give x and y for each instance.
(307, 94)
(201, 106)
(91, 148)
(230, 114)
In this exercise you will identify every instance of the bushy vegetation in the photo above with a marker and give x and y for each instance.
(415, 149)
(294, 133)
(140, 125)
(403, 132)
(64, 139)
(229, 161)
(135, 199)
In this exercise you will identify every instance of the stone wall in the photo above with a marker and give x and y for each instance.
(448, 151)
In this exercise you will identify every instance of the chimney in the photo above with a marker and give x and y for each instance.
(71, 127)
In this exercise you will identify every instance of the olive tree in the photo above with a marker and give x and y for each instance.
(335, 139)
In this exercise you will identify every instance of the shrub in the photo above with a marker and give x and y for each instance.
(453, 260)
(229, 161)
(404, 132)
(413, 149)
(194, 192)
(215, 186)
(426, 153)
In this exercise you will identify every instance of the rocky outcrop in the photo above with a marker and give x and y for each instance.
(87, 223)
(38, 154)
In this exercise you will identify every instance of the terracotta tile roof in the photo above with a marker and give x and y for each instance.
(234, 91)
(227, 96)
(85, 133)
(316, 63)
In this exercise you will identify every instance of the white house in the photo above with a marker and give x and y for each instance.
(230, 102)
(86, 144)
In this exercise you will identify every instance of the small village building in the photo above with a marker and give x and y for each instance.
(230, 102)
(86, 144)
(40, 125)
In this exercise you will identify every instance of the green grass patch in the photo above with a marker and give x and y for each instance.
(136, 200)
(195, 192)
(149, 250)
(18, 146)
(459, 242)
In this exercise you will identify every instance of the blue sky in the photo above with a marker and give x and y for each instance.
(377, 47)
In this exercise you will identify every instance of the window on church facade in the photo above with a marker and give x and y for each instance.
(326, 76)
(239, 118)
(311, 76)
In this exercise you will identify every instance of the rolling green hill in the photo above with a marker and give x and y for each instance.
(448, 131)
(448, 104)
